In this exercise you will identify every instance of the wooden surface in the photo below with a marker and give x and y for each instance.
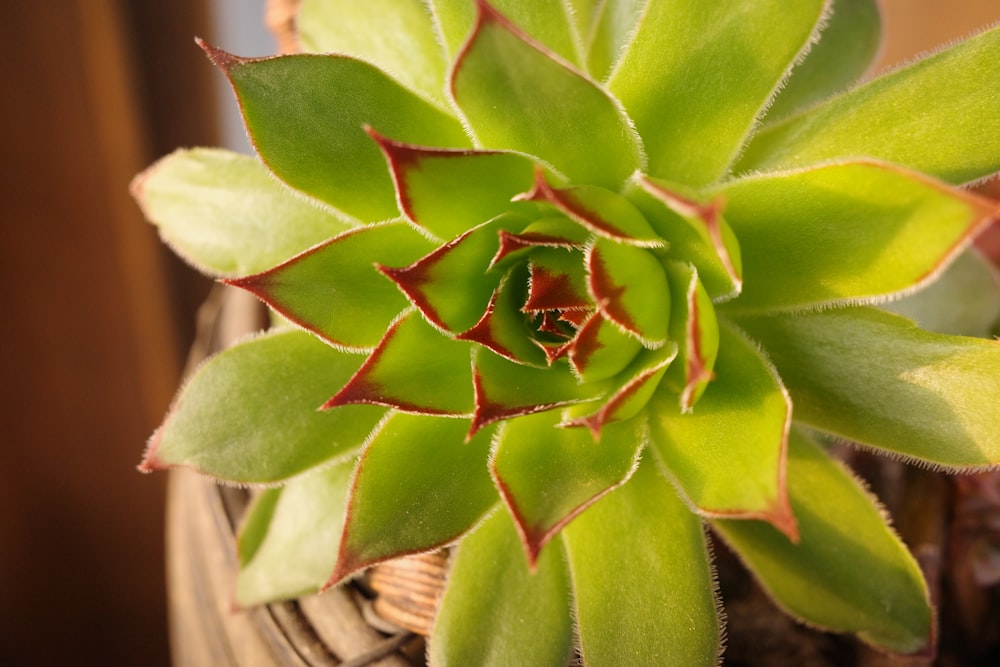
(91, 331)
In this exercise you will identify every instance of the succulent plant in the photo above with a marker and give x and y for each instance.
(561, 283)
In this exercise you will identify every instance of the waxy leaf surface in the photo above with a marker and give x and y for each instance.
(695, 102)
(271, 386)
(219, 211)
(955, 136)
(397, 36)
(874, 377)
(642, 581)
(396, 374)
(849, 572)
(316, 141)
(845, 232)
(418, 486)
(547, 475)
(288, 544)
(728, 453)
(517, 97)
(335, 289)
(490, 586)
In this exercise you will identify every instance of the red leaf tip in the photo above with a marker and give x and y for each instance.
(219, 57)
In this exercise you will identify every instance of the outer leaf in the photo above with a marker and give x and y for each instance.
(418, 487)
(695, 102)
(549, 475)
(642, 580)
(955, 136)
(527, 613)
(306, 115)
(397, 36)
(544, 21)
(728, 454)
(846, 232)
(606, 28)
(290, 536)
(847, 47)
(271, 387)
(218, 210)
(395, 375)
(516, 96)
(963, 301)
(335, 289)
(448, 192)
(849, 572)
(874, 377)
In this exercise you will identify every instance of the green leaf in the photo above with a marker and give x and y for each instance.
(418, 486)
(250, 415)
(636, 385)
(503, 328)
(600, 349)
(849, 572)
(288, 543)
(698, 233)
(548, 475)
(452, 286)
(306, 115)
(955, 136)
(506, 389)
(642, 580)
(695, 102)
(396, 373)
(630, 288)
(220, 211)
(695, 327)
(845, 233)
(598, 210)
(874, 377)
(728, 454)
(490, 586)
(518, 97)
(448, 192)
(606, 29)
(335, 289)
(847, 47)
(397, 36)
(963, 301)
(545, 22)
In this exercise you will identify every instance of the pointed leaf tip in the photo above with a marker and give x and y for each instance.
(221, 58)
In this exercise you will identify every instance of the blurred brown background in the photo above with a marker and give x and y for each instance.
(97, 316)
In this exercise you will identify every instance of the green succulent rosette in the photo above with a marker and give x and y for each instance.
(563, 282)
